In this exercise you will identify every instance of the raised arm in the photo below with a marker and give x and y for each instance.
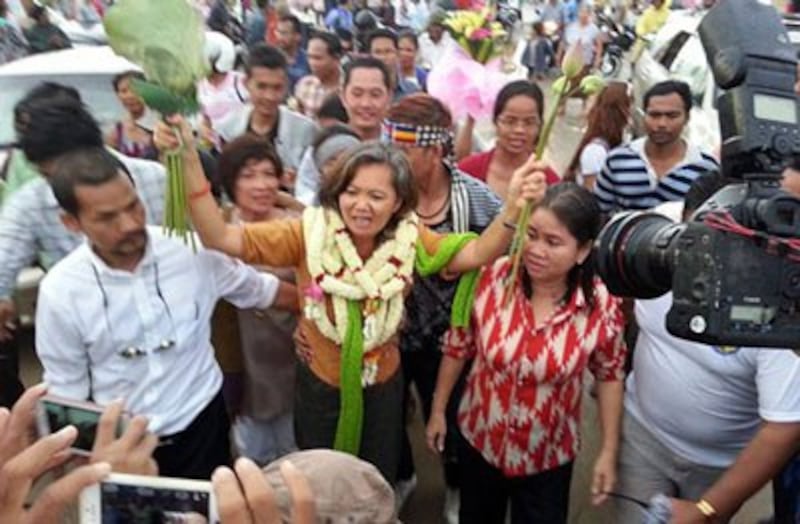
(528, 184)
(206, 215)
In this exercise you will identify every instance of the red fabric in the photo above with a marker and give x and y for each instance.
(477, 166)
(522, 403)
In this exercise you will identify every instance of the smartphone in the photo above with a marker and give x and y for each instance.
(134, 499)
(55, 413)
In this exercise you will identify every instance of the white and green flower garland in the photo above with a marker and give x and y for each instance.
(335, 266)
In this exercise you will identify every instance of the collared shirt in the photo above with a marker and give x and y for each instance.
(430, 52)
(521, 406)
(30, 222)
(310, 92)
(628, 180)
(104, 333)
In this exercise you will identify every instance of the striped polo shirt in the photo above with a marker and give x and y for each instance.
(628, 181)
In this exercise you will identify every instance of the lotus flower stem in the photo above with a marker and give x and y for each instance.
(522, 223)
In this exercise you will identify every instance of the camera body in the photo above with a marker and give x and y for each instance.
(734, 267)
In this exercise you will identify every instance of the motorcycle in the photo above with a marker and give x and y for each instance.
(618, 40)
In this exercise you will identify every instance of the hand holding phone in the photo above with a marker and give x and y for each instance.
(132, 452)
(22, 462)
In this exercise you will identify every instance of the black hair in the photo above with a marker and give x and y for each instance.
(577, 209)
(332, 43)
(701, 190)
(266, 56)
(518, 88)
(668, 87)
(332, 107)
(297, 25)
(408, 34)
(345, 34)
(125, 75)
(381, 32)
(327, 132)
(90, 166)
(49, 128)
(45, 91)
(368, 62)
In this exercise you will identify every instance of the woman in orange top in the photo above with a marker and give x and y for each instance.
(354, 257)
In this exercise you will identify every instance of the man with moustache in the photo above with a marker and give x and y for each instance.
(657, 168)
(126, 314)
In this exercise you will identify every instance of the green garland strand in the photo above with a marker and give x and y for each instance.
(351, 395)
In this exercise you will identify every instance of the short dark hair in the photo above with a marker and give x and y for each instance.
(42, 91)
(702, 188)
(332, 43)
(297, 25)
(344, 34)
(332, 107)
(408, 34)
(366, 154)
(126, 75)
(238, 153)
(51, 128)
(90, 166)
(668, 87)
(368, 62)
(266, 56)
(381, 32)
(518, 88)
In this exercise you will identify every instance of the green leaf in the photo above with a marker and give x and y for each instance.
(164, 37)
(164, 101)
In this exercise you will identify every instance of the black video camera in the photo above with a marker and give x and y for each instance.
(734, 268)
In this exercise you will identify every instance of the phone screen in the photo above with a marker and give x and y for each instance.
(123, 503)
(85, 420)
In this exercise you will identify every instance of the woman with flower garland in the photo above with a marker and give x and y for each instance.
(520, 411)
(354, 259)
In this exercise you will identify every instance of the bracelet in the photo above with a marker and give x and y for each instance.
(200, 192)
(706, 508)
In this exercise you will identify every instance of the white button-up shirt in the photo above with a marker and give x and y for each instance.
(143, 336)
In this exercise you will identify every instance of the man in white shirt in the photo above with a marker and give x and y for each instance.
(708, 425)
(126, 315)
(434, 43)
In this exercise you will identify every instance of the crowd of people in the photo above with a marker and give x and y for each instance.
(353, 265)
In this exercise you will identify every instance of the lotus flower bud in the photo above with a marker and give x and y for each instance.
(592, 84)
(558, 85)
(573, 61)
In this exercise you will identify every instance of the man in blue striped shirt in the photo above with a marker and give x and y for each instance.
(659, 167)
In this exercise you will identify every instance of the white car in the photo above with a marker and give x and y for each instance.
(88, 69)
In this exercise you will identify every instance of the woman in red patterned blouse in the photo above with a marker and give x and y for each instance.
(520, 413)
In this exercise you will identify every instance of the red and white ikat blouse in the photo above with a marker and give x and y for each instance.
(521, 406)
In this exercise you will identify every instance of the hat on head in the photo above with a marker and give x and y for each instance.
(346, 489)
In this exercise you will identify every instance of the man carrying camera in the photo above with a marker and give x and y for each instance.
(730, 420)
(659, 167)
